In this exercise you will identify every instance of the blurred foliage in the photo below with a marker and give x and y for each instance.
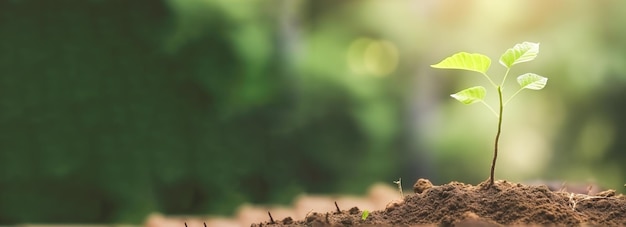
(112, 109)
(180, 107)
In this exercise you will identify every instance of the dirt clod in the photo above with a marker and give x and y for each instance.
(287, 220)
(354, 210)
(393, 205)
(467, 205)
(422, 185)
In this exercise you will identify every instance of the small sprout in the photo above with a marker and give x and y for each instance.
(399, 183)
(522, 52)
(365, 214)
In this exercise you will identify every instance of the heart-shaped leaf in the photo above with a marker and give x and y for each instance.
(470, 95)
(522, 52)
(532, 81)
(465, 61)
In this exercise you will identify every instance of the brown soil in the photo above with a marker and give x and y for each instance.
(461, 204)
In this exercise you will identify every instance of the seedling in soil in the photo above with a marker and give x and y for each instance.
(365, 214)
(522, 52)
(399, 183)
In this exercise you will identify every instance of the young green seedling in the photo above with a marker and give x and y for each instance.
(365, 214)
(522, 52)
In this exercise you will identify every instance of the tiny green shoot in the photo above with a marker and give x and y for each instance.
(522, 52)
(365, 214)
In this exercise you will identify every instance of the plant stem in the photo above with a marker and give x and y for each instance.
(505, 75)
(495, 150)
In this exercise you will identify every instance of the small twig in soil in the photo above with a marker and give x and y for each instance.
(399, 183)
(327, 221)
(574, 199)
(205, 224)
(271, 218)
(337, 206)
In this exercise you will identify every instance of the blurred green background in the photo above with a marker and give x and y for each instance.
(113, 109)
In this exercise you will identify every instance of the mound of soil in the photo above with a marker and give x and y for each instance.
(461, 204)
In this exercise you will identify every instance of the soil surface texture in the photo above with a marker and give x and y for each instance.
(459, 204)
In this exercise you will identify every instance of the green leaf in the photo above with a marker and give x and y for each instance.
(532, 81)
(470, 95)
(465, 61)
(521, 52)
(365, 214)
